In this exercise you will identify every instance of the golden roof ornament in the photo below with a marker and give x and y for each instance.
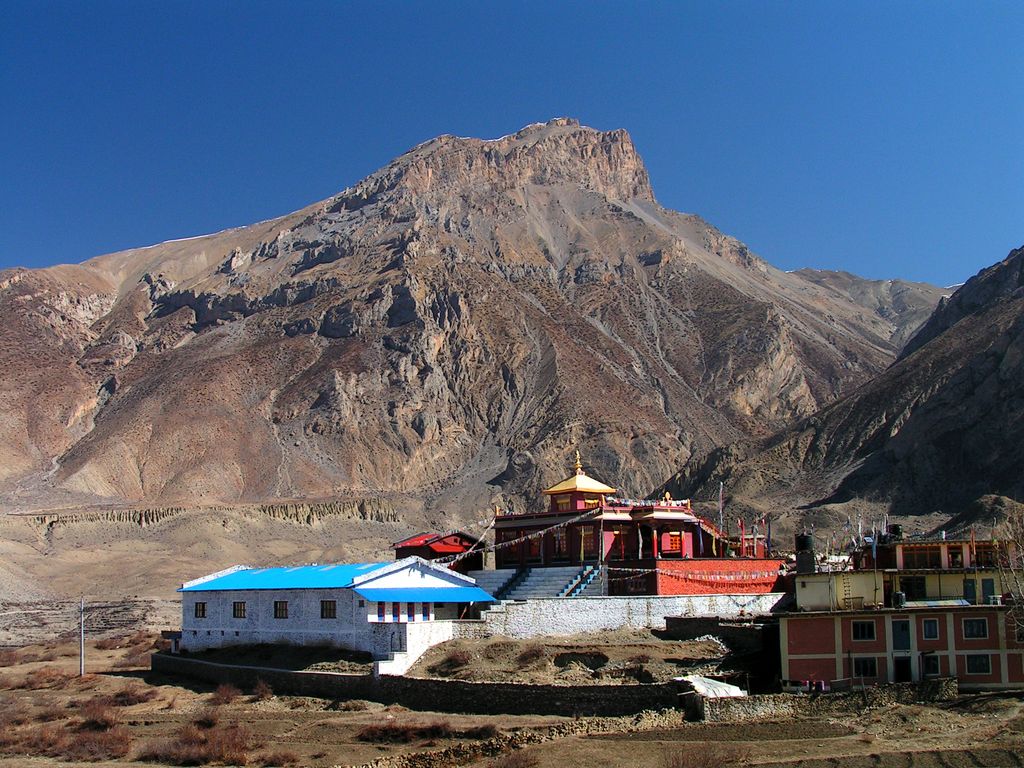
(579, 464)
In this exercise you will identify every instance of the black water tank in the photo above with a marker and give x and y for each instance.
(804, 542)
(899, 600)
(896, 531)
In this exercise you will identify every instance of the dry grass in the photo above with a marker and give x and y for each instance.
(73, 746)
(194, 746)
(9, 657)
(352, 705)
(50, 713)
(454, 660)
(132, 694)
(46, 678)
(208, 718)
(709, 755)
(517, 759)
(499, 649)
(225, 694)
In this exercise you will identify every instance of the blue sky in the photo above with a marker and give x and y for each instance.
(881, 138)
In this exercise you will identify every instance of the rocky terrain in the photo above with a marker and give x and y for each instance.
(940, 432)
(437, 338)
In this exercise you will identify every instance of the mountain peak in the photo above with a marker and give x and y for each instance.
(558, 152)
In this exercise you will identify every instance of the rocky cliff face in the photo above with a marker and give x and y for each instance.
(941, 431)
(445, 332)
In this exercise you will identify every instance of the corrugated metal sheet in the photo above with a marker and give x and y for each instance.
(297, 577)
(425, 595)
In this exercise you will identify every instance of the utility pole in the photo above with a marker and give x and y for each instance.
(81, 638)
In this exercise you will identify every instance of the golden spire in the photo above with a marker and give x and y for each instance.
(579, 464)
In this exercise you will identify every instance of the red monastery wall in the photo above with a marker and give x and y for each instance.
(718, 576)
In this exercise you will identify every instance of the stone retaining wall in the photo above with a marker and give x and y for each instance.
(780, 705)
(435, 695)
(572, 616)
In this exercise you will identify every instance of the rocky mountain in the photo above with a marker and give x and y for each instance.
(940, 433)
(441, 336)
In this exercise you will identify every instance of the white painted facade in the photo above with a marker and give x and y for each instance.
(391, 631)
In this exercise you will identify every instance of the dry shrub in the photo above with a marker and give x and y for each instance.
(355, 705)
(74, 746)
(262, 691)
(46, 677)
(225, 694)
(708, 755)
(8, 657)
(49, 713)
(486, 731)
(455, 659)
(108, 643)
(134, 660)
(403, 733)
(278, 759)
(867, 738)
(131, 695)
(8, 682)
(499, 649)
(98, 715)
(193, 746)
(208, 718)
(11, 715)
(517, 759)
(530, 654)
(641, 658)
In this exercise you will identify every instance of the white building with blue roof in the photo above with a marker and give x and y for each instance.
(394, 611)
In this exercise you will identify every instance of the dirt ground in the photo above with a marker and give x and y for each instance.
(626, 656)
(120, 715)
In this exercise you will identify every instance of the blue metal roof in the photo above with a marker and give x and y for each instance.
(297, 577)
(451, 594)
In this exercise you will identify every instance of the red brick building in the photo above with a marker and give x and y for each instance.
(905, 611)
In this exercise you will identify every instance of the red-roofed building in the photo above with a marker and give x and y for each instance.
(431, 546)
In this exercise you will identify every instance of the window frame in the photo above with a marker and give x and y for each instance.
(863, 623)
(925, 660)
(199, 609)
(861, 660)
(382, 612)
(328, 609)
(238, 609)
(426, 611)
(982, 620)
(968, 658)
(280, 609)
(929, 622)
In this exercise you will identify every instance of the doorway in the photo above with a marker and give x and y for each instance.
(901, 671)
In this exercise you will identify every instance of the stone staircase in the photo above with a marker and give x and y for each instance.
(493, 582)
(545, 582)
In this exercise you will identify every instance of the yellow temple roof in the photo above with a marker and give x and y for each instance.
(580, 481)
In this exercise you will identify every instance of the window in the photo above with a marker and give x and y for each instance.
(561, 551)
(931, 665)
(929, 556)
(984, 556)
(589, 542)
(864, 630)
(280, 609)
(381, 612)
(396, 611)
(956, 557)
(328, 609)
(410, 611)
(426, 611)
(975, 629)
(865, 667)
(930, 629)
(913, 587)
(200, 610)
(979, 664)
(238, 609)
(362, 603)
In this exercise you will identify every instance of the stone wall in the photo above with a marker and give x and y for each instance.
(562, 616)
(435, 695)
(780, 705)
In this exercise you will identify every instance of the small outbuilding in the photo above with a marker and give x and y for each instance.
(432, 546)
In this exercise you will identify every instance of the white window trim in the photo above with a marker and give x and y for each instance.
(963, 628)
(853, 667)
(866, 622)
(987, 656)
(924, 632)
